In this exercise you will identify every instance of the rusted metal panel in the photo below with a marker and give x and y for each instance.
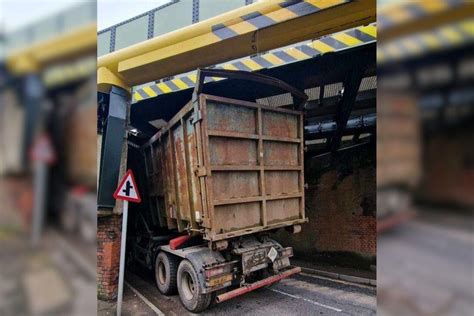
(230, 167)
(280, 154)
(281, 182)
(279, 124)
(183, 199)
(229, 118)
(169, 182)
(231, 185)
(232, 151)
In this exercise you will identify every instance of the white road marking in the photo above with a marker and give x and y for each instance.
(145, 300)
(461, 234)
(337, 280)
(307, 300)
(72, 251)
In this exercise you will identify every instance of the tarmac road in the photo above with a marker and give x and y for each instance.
(425, 267)
(302, 294)
(58, 278)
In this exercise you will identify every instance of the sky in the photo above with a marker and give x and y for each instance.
(17, 13)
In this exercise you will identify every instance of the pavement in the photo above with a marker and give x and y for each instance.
(54, 279)
(426, 266)
(303, 294)
(366, 277)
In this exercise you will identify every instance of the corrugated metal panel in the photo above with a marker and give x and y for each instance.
(45, 29)
(133, 32)
(173, 17)
(166, 18)
(210, 8)
(103, 43)
(332, 90)
(313, 93)
(79, 16)
(18, 39)
(277, 100)
(52, 26)
(368, 83)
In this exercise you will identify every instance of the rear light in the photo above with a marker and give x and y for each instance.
(178, 241)
(213, 272)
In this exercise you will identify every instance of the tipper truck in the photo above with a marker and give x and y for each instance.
(222, 175)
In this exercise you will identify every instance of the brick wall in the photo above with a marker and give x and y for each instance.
(341, 207)
(108, 255)
(342, 212)
(448, 179)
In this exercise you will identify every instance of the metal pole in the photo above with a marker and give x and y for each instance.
(40, 186)
(122, 257)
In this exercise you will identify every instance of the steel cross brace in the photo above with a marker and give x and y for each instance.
(344, 108)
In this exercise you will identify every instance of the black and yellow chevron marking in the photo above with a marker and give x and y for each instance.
(444, 37)
(279, 12)
(391, 15)
(339, 41)
(65, 73)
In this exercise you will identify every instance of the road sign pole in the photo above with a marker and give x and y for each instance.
(42, 154)
(122, 257)
(40, 191)
(127, 191)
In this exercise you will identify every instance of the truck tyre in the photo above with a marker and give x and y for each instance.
(189, 289)
(166, 267)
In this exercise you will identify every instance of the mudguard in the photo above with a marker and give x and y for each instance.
(200, 257)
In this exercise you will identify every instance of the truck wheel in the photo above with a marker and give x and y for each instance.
(166, 267)
(189, 289)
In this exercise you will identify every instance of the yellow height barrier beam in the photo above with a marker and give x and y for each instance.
(249, 30)
(403, 19)
(69, 45)
(350, 38)
(445, 37)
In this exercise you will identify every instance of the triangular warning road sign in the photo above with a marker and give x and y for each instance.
(43, 150)
(127, 189)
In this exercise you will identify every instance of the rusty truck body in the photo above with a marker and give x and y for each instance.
(224, 173)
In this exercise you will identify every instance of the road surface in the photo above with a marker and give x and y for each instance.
(302, 294)
(425, 267)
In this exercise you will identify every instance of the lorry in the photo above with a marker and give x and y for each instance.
(221, 176)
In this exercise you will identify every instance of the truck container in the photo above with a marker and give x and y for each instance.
(226, 172)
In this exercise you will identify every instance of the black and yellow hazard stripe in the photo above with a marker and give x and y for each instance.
(68, 72)
(277, 13)
(444, 37)
(336, 42)
(398, 13)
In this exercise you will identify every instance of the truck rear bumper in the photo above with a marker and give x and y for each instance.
(250, 287)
